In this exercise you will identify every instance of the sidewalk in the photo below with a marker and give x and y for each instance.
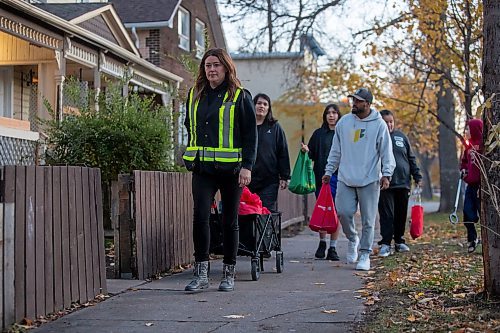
(292, 301)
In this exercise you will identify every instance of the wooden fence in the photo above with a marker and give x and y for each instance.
(152, 214)
(51, 240)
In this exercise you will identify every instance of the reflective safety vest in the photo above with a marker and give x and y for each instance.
(225, 151)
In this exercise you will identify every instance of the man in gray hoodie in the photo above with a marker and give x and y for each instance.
(362, 153)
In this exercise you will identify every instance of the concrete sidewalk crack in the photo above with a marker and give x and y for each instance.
(218, 327)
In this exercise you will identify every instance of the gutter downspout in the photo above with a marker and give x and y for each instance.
(136, 37)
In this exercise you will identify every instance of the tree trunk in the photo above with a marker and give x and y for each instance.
(270, 26)
(491, 117)
(425, 167)
(448, 161)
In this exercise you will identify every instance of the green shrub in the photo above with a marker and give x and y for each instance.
(125, 134)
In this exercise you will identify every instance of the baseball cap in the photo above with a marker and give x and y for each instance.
(362, 94)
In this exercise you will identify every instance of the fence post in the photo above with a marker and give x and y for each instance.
(305, 211)
(123, 226)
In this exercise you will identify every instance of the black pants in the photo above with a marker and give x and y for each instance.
(268, 195)
(472, 206)
(204, 189)
(393, 209)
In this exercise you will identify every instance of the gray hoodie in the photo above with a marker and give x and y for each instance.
(361, 150)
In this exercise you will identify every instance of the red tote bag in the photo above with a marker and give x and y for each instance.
(417, 216)
(324, 217)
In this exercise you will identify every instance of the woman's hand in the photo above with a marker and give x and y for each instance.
(245, 177)
(304, 147)
(283, 184)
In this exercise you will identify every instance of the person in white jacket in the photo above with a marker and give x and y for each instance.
(362, 153)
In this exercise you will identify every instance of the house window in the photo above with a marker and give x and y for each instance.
(184, 26)
(200, 39)
(6, 87)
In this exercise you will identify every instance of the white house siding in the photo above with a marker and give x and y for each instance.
(270, 76)
(274, 77)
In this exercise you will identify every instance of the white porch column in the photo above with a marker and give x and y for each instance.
(60, 76)
(97, 81)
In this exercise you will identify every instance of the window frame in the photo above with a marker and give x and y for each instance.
(7, 100)
(182, 37)
(200, 48)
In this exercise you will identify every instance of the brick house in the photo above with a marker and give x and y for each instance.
(165, 31)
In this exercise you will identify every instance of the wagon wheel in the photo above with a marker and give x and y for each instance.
(255, 269)
(279, 261)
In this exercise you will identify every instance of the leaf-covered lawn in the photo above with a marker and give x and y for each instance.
(436, 287)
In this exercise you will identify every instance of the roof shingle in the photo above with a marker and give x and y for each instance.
(69, 11)
(142, 11)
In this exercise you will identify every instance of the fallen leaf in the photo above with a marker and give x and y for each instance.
(234, 316)
(369, 302)
(361, 291)
(330, 311)
(411, 318)
(27, 322)
(425, 300)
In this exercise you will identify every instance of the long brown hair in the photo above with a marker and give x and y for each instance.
(269, 117)
(202, 83)
(335, 108)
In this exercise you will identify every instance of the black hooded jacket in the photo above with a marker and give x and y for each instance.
(406, 164)
(272, 163)
(207, 130)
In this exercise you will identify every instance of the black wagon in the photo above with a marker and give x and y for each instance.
(259, 236)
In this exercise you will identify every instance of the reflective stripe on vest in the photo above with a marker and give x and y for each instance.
(225, 151)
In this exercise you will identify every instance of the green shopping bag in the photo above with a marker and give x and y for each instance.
(302, 181)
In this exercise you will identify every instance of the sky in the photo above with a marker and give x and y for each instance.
(338, 24)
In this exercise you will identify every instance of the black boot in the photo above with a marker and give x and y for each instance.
(200, 280)
(320, 252)
(227, 283)
(332, 254)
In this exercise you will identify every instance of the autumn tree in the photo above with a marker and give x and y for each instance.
(277, 23)
(490, 183)
(442, 42)
(420, 126)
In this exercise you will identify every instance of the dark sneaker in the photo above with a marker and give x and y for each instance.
(472, 246)
(332, 254)
(384, 250)
(320, 252)
(402, 247)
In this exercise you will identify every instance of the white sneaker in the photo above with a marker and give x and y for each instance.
(352, 251)
(364, 262)
(385, 250)
(402, 247)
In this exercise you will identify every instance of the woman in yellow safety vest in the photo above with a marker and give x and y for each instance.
(222, 145)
